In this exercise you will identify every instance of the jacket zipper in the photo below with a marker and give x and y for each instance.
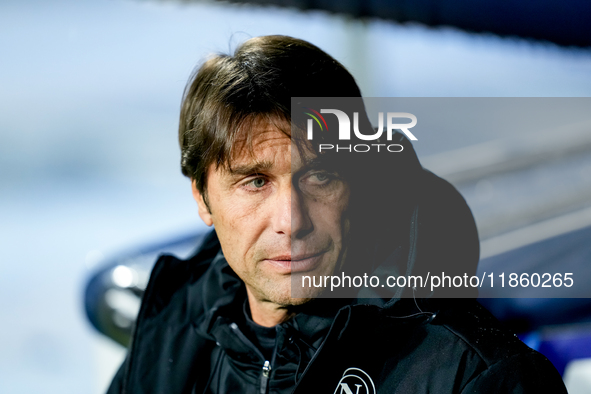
(265, 376)
(266, 364)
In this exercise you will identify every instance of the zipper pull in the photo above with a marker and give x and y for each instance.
(265, 376)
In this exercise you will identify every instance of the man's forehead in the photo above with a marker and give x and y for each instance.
(262, 147)
(256, 148)
(259, 138)
(259, 143)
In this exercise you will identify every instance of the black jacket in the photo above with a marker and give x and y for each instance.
(191, 332)
(454, 346)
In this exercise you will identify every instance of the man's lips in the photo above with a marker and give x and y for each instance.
(298, 263)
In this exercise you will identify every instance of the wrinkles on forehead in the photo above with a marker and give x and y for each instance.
(253, 136)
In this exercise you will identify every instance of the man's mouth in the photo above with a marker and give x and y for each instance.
(296, 263)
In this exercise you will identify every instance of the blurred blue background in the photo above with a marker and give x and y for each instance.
(89, 166)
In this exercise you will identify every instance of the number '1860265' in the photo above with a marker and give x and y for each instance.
(536, 280)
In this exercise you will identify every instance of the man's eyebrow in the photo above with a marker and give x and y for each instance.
(316, 163)
(249, 169)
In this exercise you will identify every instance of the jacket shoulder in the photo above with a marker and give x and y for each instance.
(519, 373)
(164, 339)
(171, 274)
(480, 331)
(509, 364)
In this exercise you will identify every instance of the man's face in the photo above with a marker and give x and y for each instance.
(276, 215)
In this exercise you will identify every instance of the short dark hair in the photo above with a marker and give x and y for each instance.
(229, 94)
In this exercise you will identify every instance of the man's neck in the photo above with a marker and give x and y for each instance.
(267, 314)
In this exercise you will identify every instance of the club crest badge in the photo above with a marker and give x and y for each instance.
(355, 381)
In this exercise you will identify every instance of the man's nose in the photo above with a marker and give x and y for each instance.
(301, 223)
(291, 215)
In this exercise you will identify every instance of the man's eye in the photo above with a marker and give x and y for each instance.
(257, 182)
(320, 183)
(320, 177)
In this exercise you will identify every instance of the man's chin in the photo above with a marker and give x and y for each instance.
(300, 296)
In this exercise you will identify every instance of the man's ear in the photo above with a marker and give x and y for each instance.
(204, 212)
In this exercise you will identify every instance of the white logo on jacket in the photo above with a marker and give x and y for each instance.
(355, 381)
